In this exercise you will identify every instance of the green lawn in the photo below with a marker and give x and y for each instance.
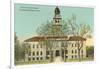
(30, 62)
(77, 60)
(45, 62)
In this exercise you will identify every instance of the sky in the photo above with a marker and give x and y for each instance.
(28, 17)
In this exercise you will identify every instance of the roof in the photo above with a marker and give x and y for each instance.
(42, 38)
(76, 38)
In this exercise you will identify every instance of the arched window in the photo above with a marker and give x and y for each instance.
(33, 58)
(75, 51)
(37, 58)
(41, 58)
(55, 21)
(75, 45)
(41, 52)
(72, 51)
(72, 56)
(33, 53)
(29, 53)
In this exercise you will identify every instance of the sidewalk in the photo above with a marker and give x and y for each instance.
(58, 59)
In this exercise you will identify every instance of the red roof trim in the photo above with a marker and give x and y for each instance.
(42, 38)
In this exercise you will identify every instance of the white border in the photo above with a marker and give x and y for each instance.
(47, 2)
(12, 35)
(77, 3)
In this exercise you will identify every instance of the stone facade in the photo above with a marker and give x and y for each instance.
(64, 48)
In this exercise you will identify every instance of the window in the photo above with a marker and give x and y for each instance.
(66, 56)
(29, 53)
(47, 53)
(75, 51)
(33, 53)
(72, 51)
(37, 58)
(33, 58)
(41, 58)
(47, 57)
(72, 56)
(55, 21)
(29, 59)
(37, 52)
(41, 52)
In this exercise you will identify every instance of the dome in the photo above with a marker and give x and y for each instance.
(57, 10)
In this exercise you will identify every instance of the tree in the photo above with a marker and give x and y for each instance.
(90, 51)
(16, 48)
(20, 49)
(69, 27)
(25, 50)
(79, 30)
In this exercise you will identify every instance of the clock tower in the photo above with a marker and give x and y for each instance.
(57, 22)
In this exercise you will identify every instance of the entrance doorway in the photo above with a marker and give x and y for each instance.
(57, 53)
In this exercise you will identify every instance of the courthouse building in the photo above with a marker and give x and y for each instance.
(58, 45)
